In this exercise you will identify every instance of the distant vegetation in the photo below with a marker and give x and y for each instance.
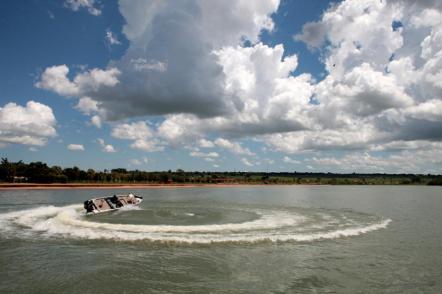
(39, 172)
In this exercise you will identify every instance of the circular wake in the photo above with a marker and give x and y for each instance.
(192, 225)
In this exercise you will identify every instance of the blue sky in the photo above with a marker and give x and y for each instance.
(260, 85)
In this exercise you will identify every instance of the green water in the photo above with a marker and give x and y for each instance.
(288, 239)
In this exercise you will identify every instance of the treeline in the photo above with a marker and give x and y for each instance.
(39, 172)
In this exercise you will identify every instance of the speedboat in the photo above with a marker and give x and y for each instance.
(110, 203)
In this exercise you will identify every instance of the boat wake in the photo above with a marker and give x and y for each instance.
(268, 225)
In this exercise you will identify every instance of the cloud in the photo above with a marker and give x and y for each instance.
(268, 161)
(148, 146)
(108, 148)
(405, 145)
(229, 89)
(180, 129)
(141, 161)
(55, 78)
(87, 105)
(233, 147)
(112, 38)
(357, 31)
(187, 64)
(133, 131)
(75, 147)
(357, 136)
(207, 156)
(291, 160)
(96, 121)
(422, 160)
(141, 64)
(271, 100)
(32, 124)
(75, 5)
(203, 143)
(426, 18)
(204, 155)
(382, 82)
(429, 110)
(157, 79)
(141, 135)
(135, 162)
(363, 92)
(245, 161)
(313, 34)
(418, 5)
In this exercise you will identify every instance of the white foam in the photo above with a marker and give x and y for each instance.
(129, 207)
(272, 225)
(270, 221)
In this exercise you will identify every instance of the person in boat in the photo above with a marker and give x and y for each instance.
(114, 199)
(131, 199)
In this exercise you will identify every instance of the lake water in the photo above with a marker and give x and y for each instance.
(271, 239)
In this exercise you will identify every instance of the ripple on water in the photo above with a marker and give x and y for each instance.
(185, 224)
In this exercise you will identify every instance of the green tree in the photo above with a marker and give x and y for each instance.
(38, 172)
(7, 171)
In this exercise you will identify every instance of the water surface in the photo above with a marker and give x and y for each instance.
(277, 239)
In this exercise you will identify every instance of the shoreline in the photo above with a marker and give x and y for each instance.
(121, 186)
(95, 186)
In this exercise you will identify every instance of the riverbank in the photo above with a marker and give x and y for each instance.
(59, 186)
(31, 186)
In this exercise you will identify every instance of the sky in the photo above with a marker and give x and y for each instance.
(234, 85)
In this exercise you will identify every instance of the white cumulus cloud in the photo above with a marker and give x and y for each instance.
(108, 148)
(202, 154)
(75, 147)
(157, 79)
(32, 124)
(55, 78)
(141, 135)
(233, 147)
(291, 160)
(90, 5)
(245, 161)
(187, 64)
(112, 38)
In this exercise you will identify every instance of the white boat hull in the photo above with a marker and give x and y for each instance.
(111, 203)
